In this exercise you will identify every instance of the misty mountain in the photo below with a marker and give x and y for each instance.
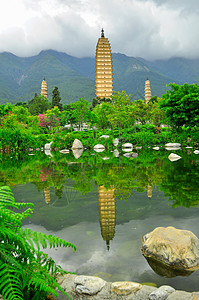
(21, 77)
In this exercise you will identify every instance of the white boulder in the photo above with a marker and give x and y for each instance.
(104, 136)
(174, 157)
(77, 144)
(127, 154)
(127, 147)
(64, 151)
(115, 142)
(173, 145)
(172, 148)
(47, 146)
(99, 148)
(77, 152)
(116, 153)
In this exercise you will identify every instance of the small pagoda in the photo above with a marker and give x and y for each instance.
(147, 91)
(44, 88)
(103, 68)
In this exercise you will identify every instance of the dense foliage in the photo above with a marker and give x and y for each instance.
(25, 271)
(35, 124)
(182, 105)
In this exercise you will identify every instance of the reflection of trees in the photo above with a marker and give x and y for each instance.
(181, 183)
(178, 180)
(82, 174)
(126, 178)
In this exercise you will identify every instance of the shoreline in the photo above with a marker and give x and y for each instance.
(82, 287)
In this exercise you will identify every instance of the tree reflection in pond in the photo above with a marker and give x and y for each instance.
(142, 193)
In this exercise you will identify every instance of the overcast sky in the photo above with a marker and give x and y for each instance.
(151, 29)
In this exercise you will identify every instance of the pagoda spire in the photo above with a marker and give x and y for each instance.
(103, 68)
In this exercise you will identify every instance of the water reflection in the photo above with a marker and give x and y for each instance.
(107, 213)
(149, 191)
(47, 195)
(165, 270)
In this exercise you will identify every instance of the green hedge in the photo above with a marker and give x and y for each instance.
(17, 140)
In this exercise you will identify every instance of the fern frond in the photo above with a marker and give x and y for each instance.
(13, 240)
(41, 238)
(10, 285)
(6, 256)
(9, 218)
(25, 271)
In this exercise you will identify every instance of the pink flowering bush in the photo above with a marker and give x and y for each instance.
(49, 120)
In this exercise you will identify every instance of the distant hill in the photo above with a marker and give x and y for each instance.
(181, 69)
(21, 77)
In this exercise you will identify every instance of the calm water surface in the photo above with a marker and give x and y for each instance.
(104, 205)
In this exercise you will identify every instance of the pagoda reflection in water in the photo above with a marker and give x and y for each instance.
(107, 214)
(47, 195)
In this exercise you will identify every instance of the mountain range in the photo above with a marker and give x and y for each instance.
(21, 77)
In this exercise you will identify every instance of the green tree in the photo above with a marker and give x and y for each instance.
(141, 111)
(38, 105)
(21, 112)
(157, 116)
(120, 116)
(101, 113)
(181, 105)
(20, 103)
(81, 111)
(56, 99)
(67, 116)
(99, 100)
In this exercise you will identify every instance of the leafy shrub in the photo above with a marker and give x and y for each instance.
(18, 140)
(25, 271)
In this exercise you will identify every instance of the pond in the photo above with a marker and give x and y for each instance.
(105, 204)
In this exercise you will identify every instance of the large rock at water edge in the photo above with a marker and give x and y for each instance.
(77, 144)
(174, 247)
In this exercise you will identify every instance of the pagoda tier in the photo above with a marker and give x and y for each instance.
(147, 91)
(103, 68)
(44, 88)
(107, 214)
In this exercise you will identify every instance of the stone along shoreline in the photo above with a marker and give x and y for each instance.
(82, 287)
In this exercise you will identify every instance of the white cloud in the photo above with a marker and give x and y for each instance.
(146, 28)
